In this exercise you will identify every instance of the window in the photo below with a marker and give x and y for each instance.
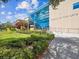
(76, 5)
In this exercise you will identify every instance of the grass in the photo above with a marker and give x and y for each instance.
(5, 35)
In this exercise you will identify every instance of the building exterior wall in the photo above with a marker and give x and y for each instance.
(64, 19)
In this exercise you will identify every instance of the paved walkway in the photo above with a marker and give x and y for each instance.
(63, 48)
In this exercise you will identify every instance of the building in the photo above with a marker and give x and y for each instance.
(40, 17)
(65, 19)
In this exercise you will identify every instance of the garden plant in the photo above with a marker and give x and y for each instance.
(14, 45)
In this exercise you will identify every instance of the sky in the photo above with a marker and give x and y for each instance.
(20, 9)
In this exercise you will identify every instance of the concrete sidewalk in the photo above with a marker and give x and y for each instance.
(63, 48)
(57, 34)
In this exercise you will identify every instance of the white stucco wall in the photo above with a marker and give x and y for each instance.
(64, 18)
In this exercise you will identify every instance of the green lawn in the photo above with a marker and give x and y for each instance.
(5, 35)
(9, 36)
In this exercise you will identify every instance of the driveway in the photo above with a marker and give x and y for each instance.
(63, 48)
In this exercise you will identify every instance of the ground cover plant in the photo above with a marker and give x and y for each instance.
(14, 45)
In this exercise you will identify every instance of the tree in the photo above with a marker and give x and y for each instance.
(1, 27)
(21, 24)
(8, 26)
(55, 3)
(4, 1)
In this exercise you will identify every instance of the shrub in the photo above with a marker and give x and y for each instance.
(17, 43)
(28, 53)
(25, 48)
(39, 47)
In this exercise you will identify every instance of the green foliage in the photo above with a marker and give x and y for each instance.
(27, 47)
(21, 24)
(7, 26)
(16, 53)
(39, 47)
(4, 1)
(28, 53)
(20, 43)
(55, 3)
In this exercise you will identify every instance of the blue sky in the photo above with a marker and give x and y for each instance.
(19, 9)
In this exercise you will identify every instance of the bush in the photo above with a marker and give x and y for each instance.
(16, 53)
(25, 48)
(39, 47)
(17, 43)
(28, 53)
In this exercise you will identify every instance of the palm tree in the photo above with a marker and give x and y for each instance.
(55, 3)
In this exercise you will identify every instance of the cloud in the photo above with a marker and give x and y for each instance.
(23, 5)
(9, 13)
(3, 13)
(30, 11)
(35, 3)
(29, 6)
(21, 16)
(9, 17)
(2, 6)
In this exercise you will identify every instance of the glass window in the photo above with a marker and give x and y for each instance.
(76, 5)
